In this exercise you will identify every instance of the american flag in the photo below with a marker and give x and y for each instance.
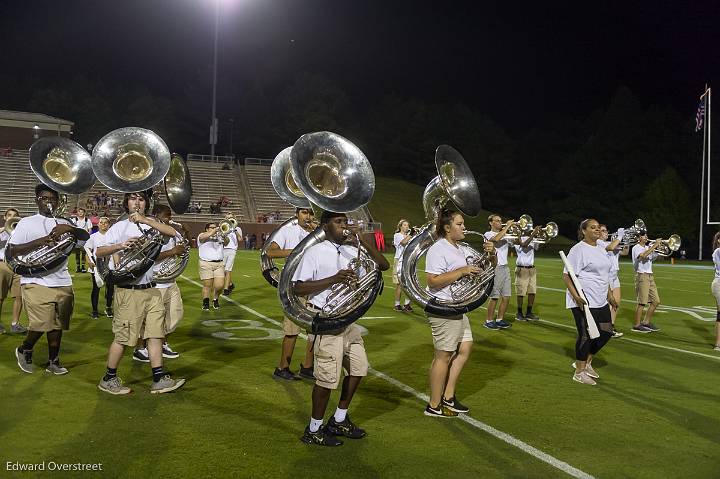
(700, 115)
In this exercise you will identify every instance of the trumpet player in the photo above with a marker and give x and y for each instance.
(139, 309)
(284, 241)
(98, 239)
(614, 251)
(526, 274)
(645, 288)
(501, 290)
(211, 244)
(10, 281)
(229, 252)
(400, 239)
(81, 221)
(322, 266)
(48, 296)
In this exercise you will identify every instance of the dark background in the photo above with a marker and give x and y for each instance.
(564, 111)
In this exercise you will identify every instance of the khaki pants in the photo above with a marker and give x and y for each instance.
(174, 311)
(138, 313)
(645, 288)
(337, 352)
(9, 282)
(48, 309)
(525, 281)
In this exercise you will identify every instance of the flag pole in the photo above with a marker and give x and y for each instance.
(702, 178)
(708, 119)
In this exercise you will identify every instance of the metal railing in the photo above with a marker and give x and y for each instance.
(258, 161)
(211, 159)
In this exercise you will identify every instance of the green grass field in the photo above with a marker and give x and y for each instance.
(653, 414)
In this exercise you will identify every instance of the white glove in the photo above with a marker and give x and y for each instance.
(620, 234)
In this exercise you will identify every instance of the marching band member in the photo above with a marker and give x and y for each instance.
(526, 275)
(501, 287)
(98, 239)
(645, 288)
(592, 266)
(322, 266)
(229, 252)
(10, 281)
(284, 241)
(401, 238)
(614, 252)
(211, 269)
(139, 309)
(48, 296)
(81, 222)
(445, 263)
(715, 287)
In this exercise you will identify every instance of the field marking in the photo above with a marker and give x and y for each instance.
(503, 436)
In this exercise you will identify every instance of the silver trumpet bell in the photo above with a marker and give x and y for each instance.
(455, 182)
(667, 246)
(335, 175)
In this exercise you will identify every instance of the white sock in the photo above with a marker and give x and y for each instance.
(315, 424)
(407, 301)
(397, 303)
(340, 414)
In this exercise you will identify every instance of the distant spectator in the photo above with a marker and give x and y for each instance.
(226, 166)
(246, 238)
(253, 241)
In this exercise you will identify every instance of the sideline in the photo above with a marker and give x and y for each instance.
(505, 437)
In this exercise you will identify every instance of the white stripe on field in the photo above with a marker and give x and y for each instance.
(537, 453)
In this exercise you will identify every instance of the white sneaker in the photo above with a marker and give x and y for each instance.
(717, 348)
(583, 378)
(589, 370)
(167, 352)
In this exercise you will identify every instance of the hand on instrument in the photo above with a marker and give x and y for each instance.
(136, 217)
(535, 232)
(130, 243)
(470, 269)
(509, 224)
(345, 276)
(613, 303)
(177, 250)
(489, 247)
(579, 301)
(620, 234)
(60, 230)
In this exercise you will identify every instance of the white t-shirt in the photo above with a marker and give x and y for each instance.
(592, 268)
(289, 236)
(716, 260)
(642, 265)
(614, 256)
(121, 232)
(172, 242)
(232, 239)
(91, 245)
(4, 237)
(210, 250)
(32, 228)
(501, 248)
(526, 255)
(85, 224)
(399, 248)
(443, 257)
(322, 261)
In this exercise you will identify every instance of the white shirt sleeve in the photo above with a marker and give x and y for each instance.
(435, 262)
(308, 267)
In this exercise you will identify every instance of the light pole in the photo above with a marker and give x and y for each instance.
(214, 121)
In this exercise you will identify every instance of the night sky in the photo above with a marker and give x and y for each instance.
(519, 63)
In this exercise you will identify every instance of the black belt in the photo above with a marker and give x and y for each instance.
(527, 267)
(136, 286)
(212, 260)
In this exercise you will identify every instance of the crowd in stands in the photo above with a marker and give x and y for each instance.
(6, 151)
(272, 217)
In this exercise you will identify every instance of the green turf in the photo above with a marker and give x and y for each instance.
(653, 414)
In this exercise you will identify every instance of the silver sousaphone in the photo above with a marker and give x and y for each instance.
(130, 160)
(454, 182)
(335, 175)
(64, 166)
(282, 180)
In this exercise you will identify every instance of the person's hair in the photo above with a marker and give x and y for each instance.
(583, 226)
(716, 241)
(104, 218)
(328, 215)
(12, 209)
(602, 225)
(83, 210)
(490, 218)
(145, 194)
(43, 187)
(299, 208)
(207, 225)
(160, 209)
(402, 220)
(445, 219)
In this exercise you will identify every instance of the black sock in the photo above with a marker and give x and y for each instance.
(206, 301)
(529, 310)
(158, 373)
(110, 373)
(520, 310)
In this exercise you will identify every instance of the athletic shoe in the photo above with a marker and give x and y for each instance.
(589, 370)
(285, 373)
(408, 308)
(398, 308)
(583, 378)
(141, 355)
(206, 306)
(166, 384)
(455, 405)
(109, 312)
(24, 360)
(717, 348)
(226, 292)
(216, 304)
(322, 437)
(651, 326)
(641, 329)
(231, 287)
(55, 368)
(167, 352)
(616, 333)
(502, 324)
(440, 411)
(113, 386)
(307, 373)
(18, 328)
(95, 315)
(531, 317)
(83, 270)
(492, 325)
(520, 317)
(345, 428)
(78, 270)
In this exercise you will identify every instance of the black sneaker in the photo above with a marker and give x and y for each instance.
(321, 437)
(83, 270)
(285, 373)
(440, 411)
(455, 405)
(226, 292)
(231, 287)
(95, 315)
(346, 428)
(408, 308)
(109, 312)
(216, 304)
(307, 373)
(206, 304)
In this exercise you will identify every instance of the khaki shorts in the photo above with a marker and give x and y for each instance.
(645, 289)
(525, 281)
(138, 313)
(209, 269)
(715, 288)
(448, 333)
(174, 311)
(48, 309)
(9, 282)
(395, 271)
(337, 352)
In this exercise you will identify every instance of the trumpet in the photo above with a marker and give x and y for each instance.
(667, 246)
(522, 227)
(632, 234)
(225, 228)
(546, 233)
(11, 224)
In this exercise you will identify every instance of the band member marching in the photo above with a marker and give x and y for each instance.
(10, 281)
(284, 241)
(526, 275)
(401, 238)
(645, 288)
(81, 222)
(614, 251)
(212, 272)
(715, 287)
(48, 296)
(322, 266)
(229, 252)
(99, 265)
(501, 287)
(139, 309)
